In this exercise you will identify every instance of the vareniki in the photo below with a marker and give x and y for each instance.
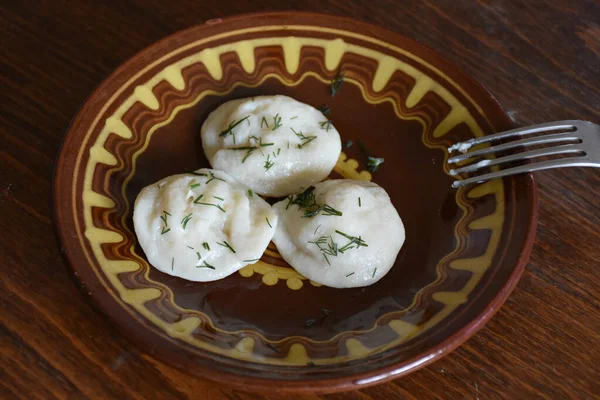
(202, 226)
(275, 145)
(340, 233)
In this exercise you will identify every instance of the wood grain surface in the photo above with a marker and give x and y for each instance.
(540, 59)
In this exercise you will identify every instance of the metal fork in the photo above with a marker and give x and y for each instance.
(583, 138)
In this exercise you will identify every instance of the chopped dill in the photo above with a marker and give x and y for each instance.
(185, 220)
(276, 122)
(305, 139)
(197, 199)
(325, 110)
(210, 204)
(268, 163)
(232, 125)
(225, 244)
(373, 163)
(326, 125)
(263, 122)
(316, 230)
(205, 265)
(268, 223)
(214, 178)
(336, 83)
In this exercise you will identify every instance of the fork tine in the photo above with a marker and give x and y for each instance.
(564, 149)
(552, 138)
(569, 125)
(563, 162)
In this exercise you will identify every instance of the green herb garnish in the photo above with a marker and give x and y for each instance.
(336, 83)
(326, 125)
(348, 144)
(190, 247)
(251, 149)
(206, 246)
(309, 322)
(355, 242)
(218, 198)
(197, 199)
(311, 364)
(213, 178)
(205, 265)
(185, 220)
(316, 230)
(268, 223)
(194, 186)
(328, 248)
(263, 122)
(276, 122)
(305, 139)
(172, 263)
(197, 174)
(359, 202)
(294, 117)
(373, 276)
(210, 204)
(306, 201)
(250, 193)
(350, 274)
(268, 163)
(253, 260)
(165, 228)
(225, 244)
(373, 163)
(232, 125)
(325, 110)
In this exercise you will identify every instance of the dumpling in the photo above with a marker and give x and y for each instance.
(340, 233)
(202, 226)
(275, 145)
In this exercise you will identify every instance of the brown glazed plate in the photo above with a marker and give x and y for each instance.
(464, 252)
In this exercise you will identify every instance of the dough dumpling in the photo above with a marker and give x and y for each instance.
(340, 233)
(202, 226)
(275, 145)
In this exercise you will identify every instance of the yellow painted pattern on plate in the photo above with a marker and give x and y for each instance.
(334, 50)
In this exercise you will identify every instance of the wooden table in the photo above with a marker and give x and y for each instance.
(542, 61)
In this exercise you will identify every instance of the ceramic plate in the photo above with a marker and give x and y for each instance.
(464, 250)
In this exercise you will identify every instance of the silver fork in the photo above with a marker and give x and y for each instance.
(583, 137)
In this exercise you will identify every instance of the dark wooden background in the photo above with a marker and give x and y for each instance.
(540, 59)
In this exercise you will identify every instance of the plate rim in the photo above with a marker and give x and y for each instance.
(309, 385)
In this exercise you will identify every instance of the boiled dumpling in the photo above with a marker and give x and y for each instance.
(340, 233)
(202, 226)
(275, 145)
